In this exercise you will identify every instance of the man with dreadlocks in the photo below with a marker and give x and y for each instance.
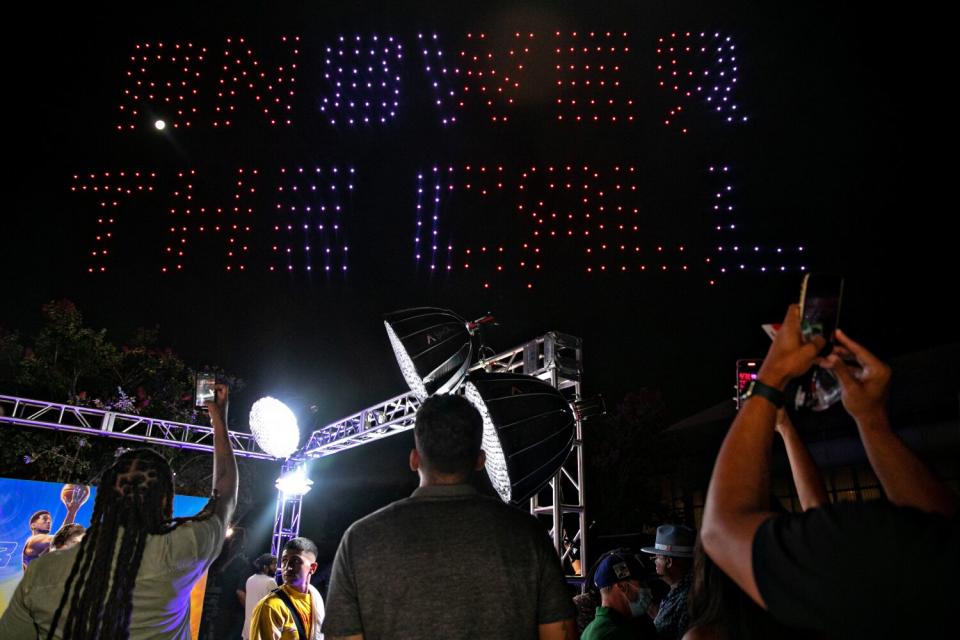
(132, 574)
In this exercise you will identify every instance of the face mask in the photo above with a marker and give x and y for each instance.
(639, 606)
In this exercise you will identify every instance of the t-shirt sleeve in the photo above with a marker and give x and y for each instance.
(267, 622)
(342, 607)
(554, 602)
(195, 544)
(836, 569)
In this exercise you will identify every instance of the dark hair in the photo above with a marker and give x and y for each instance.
(37, 514)
(140, 507)
(448, 433)
(717, 603)
(301, 545)
(66, 532)
(263, 561)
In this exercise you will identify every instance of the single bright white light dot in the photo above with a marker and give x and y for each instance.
(160, 125)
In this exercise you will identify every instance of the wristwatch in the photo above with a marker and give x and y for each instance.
(757, 388)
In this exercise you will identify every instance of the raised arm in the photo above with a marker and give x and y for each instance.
(736, 502)
(224, 463)
(906, 480)
(806, 476)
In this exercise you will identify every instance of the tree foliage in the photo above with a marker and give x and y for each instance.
(66, 356)
(67, 361)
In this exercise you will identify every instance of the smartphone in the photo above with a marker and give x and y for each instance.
(746, 373)
(205, 391)
(820, 306)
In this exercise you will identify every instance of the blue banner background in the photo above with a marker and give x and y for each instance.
(20, 499)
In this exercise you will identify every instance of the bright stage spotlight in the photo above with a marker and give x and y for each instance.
(528, 430)
(160, 125)
(274, 427)
(433, 347)
(294, 483)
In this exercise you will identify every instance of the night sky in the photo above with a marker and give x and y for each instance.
(841, 155)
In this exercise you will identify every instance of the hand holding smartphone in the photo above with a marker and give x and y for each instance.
(205, 389)
(820, 298)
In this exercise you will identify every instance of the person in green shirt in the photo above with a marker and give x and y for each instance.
(624, 599)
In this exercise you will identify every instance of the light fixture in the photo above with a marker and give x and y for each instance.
(294, 483)
(433, 348)
(528, 430)
(274, 427)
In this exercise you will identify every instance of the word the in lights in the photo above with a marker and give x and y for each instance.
(294, 483)
(284, 219)
(274, 427)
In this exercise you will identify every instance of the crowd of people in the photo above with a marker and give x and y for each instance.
(449, 562)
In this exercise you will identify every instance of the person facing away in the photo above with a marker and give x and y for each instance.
(131, 575)
(624, 600)
(294, 611)
(844, 569)
(258, 587)
(720, 610)
(447, 562)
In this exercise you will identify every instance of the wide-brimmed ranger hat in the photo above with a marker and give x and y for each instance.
(675, 540)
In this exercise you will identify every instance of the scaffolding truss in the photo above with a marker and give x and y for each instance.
(388, 418)
(100, 422)
(286, 520)
(554, 357)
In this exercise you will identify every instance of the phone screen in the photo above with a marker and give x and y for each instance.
(820, 305)
(205, 391)
(746, 373)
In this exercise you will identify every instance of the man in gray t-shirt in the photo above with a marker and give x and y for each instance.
(447, 562)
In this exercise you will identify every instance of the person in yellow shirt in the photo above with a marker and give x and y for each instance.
(294, 611)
